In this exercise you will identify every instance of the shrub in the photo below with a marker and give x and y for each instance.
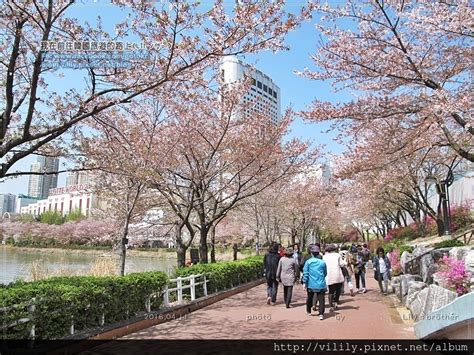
(461, 217)
(58, 300)
(449, 244)
(454, 275)
(431, 228)
(74, 215)
(403, 233)
(225, 275)
(407, 248)
(51, 217)
(394, 258)
(390, 246)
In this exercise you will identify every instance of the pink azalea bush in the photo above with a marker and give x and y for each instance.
(394, 258)
(403, 233)
(454, 275)
(461, 217)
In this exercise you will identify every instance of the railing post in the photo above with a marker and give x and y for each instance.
(102, 316)
(166, 297)
(71, 328)
(148, 304)
(204, 285)
(179, 286)
(193, 285)
(31, 311)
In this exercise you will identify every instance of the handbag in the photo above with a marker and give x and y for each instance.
(376, 275)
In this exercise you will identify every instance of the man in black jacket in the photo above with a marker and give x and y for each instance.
(270, 262)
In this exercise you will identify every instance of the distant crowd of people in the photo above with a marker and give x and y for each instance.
(321, 272)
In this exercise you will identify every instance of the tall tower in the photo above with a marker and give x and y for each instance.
(39, 185)
(50, 181)
(7, 203)
(36, 181)
(264, 93)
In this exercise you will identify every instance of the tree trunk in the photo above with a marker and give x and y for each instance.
(294, 232)
(212, 230)
(257, 238)
(123, 246)
(440, 226)
(180, 246)
(203, 241)
(404, 218)
(181, 255)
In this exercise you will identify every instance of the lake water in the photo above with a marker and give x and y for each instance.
(17, 264)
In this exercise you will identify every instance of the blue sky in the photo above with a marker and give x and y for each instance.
(295, 91)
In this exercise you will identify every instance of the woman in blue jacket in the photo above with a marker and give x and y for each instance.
(314, 280)
(382, 269)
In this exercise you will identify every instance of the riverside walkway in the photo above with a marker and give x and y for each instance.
(247, 316)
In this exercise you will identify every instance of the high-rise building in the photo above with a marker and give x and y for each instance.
(71, 178)
(7, 203)
(264, 94)
(78, 178)
(35, 182)
(39, 185)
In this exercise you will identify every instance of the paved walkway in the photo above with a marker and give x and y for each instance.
(247, 316)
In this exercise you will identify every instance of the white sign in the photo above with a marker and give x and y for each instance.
(68, 189)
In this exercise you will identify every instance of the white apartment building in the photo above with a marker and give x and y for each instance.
(264, 93)
(64, 200)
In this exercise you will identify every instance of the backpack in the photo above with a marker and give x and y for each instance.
(365, 255)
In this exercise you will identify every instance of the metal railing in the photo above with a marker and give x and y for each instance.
(465, 235)
(413, 265)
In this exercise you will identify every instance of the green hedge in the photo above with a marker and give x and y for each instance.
(407, 248)
(449, 243)
(225, 275)
(84, 298)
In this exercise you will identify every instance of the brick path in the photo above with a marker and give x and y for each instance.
(247, 316)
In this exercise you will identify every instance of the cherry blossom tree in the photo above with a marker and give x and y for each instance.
(181, 39)
(407, 66)
(219, 157)
(121, 144)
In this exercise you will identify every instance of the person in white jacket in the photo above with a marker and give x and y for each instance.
(334, 278)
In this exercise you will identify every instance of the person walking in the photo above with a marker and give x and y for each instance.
(281, 250)
(297, 254)
(288, 273)
(270, 262)
(366, 257)
(335, 278)
(303, 261)
(382, 270)
(359, 269)
(314, 281)
(347, 270)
